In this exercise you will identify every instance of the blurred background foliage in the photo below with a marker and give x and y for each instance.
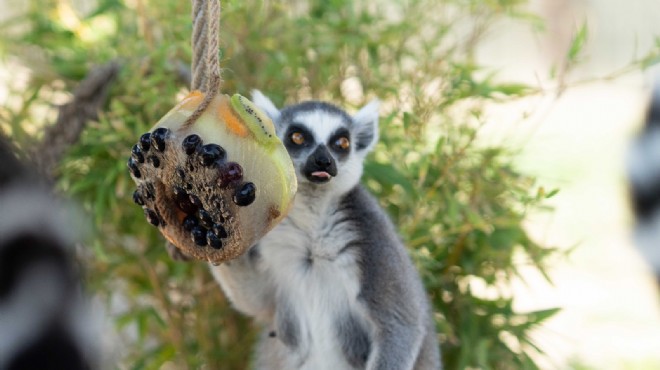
(459, 206)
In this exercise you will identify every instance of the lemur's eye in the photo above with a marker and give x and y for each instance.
(297, 138)
(343, 143)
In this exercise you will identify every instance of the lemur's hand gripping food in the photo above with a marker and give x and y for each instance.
(216, 186)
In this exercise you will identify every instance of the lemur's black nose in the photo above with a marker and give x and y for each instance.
(320, 166)
(322, 159)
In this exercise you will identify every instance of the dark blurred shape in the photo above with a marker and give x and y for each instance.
(11, 169)
(644, 174)
(44, 322)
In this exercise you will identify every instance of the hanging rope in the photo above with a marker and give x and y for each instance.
(205, 48)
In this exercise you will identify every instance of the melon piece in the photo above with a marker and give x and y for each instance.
(215, 187)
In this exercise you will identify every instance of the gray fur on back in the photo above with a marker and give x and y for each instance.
(390, 286)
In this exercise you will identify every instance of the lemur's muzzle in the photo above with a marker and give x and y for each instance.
(320, 166)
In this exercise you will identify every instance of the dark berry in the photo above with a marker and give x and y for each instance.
(189, 186)
(211, 153)
(158, 138)
(137, 198)
(179, 193)
(245, 194)
(183, 201)
(132, 166)
(191, 143)
(154, 161)
(205, 218)
(229, 173)
(145, 142)
(194, 199)
(213, 240)
(152, 217)
(150, 191)
(181, 173)
(190, 222)
(136, 153)
(219, 230)
(199, 235)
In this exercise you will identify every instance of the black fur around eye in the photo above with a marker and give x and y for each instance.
(340, 142)
(297, 138)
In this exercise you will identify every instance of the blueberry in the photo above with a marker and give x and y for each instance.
(180, 194)
(205, 218)
(132, 166)
(136, 153)
(229, 173)
(245, 194)
(194, 199)
(182, 200)
(137, 198)
(213, 240)
(145, 142)
(181, 173)
(199, 235)
(219, 230)
(154, 161)
(211, 153)
(191, 143)
(158, 138)
(190, 222)
(152, 217)
(150, 192)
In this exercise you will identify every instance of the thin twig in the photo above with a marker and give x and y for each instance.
(88, 98)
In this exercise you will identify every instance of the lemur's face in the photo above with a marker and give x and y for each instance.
(326, 145)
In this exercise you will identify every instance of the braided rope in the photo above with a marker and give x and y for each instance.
(198, 41)
(205, 58)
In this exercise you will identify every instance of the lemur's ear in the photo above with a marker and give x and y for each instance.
(265, 104)
(366, 124)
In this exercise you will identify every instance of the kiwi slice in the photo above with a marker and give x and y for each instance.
(215, 187)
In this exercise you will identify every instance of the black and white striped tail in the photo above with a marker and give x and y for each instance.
(43, 319)
(644, 173)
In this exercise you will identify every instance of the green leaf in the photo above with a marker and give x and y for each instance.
(578, 42)
(543, 315)
(388, 175)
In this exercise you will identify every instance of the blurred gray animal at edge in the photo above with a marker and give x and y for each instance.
(644, 176)
(332, 285)
(43, 316)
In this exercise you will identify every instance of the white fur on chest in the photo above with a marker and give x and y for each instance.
(310, 268)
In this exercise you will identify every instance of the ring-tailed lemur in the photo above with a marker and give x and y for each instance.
(332, 284)
(44, 323)
(644, 173)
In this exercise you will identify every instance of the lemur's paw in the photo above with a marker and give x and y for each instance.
(215, 187)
